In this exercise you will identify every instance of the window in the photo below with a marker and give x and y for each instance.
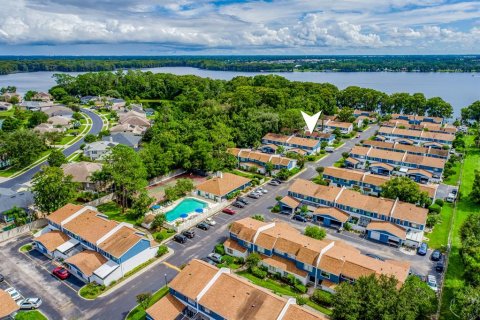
(325, 275)
(260, 250)
(307, 267)
(229, 251)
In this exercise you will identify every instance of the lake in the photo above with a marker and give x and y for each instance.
(459, 89)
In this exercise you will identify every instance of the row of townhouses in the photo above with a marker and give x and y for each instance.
(398, 159)
(416, 119)
(367, 182)
(323, 263)
(248, 158)
(203, 291)
(310, 146)
(416, 135)
(411, 149)
(93, 247)
(423, 126)
(364, 208)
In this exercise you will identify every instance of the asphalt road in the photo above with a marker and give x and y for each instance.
(28, 175)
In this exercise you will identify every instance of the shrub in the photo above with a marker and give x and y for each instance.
(228, 259)
(162, 250)
(439, 202)
(345, 155)
(159, 236)
(300, 288)
(220, 249)
(276, 208)
(258, 217)
(259, 273)
(301, 300)
(252, 260)
(323, 151)
(323, 298)
(347, 226)
(320, 169)
(315, 232)
(434, 208)
(278, 198)
(431, 220)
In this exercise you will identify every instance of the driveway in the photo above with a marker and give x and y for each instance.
(28, 175)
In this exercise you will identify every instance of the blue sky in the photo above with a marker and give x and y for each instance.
(169, 27)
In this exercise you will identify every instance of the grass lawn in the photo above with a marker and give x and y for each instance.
(165, 234)
(30, 315)
(66, 140)
(454, 277)
(280, 289)
(439, 236)
(114, 212)
(6, 114)
(26, 247)
(138, 313)
(453, 179)
(339, 163)
(7, 172)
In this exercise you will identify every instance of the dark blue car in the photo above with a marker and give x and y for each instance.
(422, 249)
(299, 218)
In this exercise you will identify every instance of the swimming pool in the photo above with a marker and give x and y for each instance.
(187, 206)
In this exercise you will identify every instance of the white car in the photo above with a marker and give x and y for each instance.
(13, 293)
(261, 190)
(30, 303)
(210, 221)
(432, 282)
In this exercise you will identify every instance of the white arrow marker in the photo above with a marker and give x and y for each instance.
(311, 121)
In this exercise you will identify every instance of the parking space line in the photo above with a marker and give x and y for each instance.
(171, 266)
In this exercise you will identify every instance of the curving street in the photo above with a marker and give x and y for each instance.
(28, 175)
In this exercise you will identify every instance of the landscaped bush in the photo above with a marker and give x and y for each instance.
(323, 298)
(158, 236)
(219, 249)
(163, 249)
(434, 208)
(431, 220)
(278, 198)
(440, 202)
(228, 259)
(259, 273)
(276, 208)
(301, 300)
(300, 288)
(91, 290)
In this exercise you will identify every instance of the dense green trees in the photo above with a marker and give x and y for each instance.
(22, 147)
(36, 118)
(404, 189)
(56, 158)
(52, 189)
(315, 232)
(372, 298)
(472, 112)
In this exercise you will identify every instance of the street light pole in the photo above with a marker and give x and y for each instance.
(166, 282)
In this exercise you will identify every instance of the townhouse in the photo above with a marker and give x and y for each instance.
(203, 291)
(428, 126)
(82, 172)
(403, 160)
(368, 183)
(327, 137)
(94, 248)
(415, 119)
(331, 125)
(324, 263)
(399, 147)
(419, 137)
(248, 158)
(222, 187)
(311, 146)
(369, 114)
(363, 208)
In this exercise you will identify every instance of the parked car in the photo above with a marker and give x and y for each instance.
(454, 191)
(299, 218)
(229, 211)
(1, 278)
(329, 149)
(215, 257)
(242, 200)
(13, 293)
(357, 136)
(61, 273)
(262, 190)
(253, 195)
(277, 180)
(436, 255)
(440, 266)
(180, 238)
(238, 204)
(210, 221)
(422, 249)
(30, 303)
(273, 183)
(374, 256)
(432, 282)
(451, 197)
(189, 233)
(203, 226)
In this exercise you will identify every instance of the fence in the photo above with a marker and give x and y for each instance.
(109, 197)
(172, 174)
(40, 223)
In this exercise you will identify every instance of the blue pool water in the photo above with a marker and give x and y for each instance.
(186, 206)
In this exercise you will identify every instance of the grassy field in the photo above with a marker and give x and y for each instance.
(439, 236)
(114, 212)
(453, 179)
(454, 277)
(30, 315)
(138, 313)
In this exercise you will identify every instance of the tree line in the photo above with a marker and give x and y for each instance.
(462, 63)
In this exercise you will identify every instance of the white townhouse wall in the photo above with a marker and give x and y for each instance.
(138, 259)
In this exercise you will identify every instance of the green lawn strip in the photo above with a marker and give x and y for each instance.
(165, 234)
(114, 212)
(439, 236)
(280, 289)
(339, 163)
(7, 172)
(6, 114)
(138, 313)
(65, 140)
(26, 247)
(454, 277)
(30, 315)
(453, 179)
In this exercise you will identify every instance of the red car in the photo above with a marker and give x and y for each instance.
(229, 211)
(61, 273)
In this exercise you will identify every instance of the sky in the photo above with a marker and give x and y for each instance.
(225, 27)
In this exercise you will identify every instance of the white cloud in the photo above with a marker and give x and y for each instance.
(255, 25)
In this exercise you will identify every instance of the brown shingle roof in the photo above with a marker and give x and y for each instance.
(7, 304)
(431, 190)
(385, 154)
(246, 228)
(283, 264)
(90, 226)
(81, 171)
(333, 212)
(119, 242)
(221, 186)
(304, 142)
(290, 201)
(355, 199)
(193, 278)
(382, 165)
(425, 161)
(410, 212)
(167, 308)
(229, 243)
(64, 212)
(389, 227)
(359, 150)
(375, 179)
(309, 188)
(52, 240)
(345, 174)
(295, 312)
(87, 261)
(335, 124)
(276, 137)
